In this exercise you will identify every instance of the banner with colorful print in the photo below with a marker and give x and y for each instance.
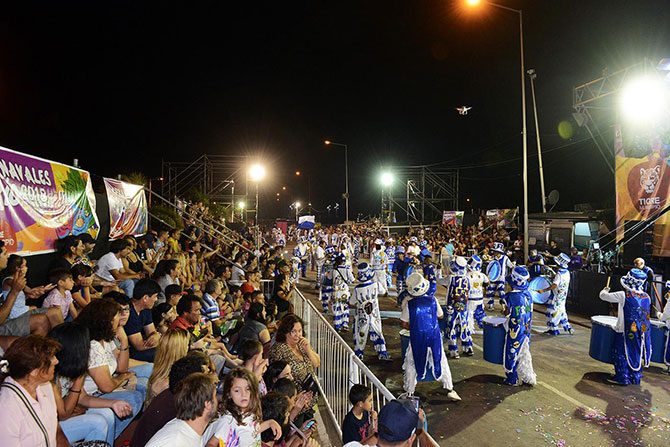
(505, 217)
(127, 209)
(42, 201)
(454, 218)
(642, 171)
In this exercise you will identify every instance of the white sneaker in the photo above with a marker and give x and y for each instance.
(453, 396)
(491, 307)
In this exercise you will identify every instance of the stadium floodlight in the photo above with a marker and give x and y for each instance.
(257, 173)
(387, 179)
(645, 100)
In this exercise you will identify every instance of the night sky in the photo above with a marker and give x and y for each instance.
(122, 85)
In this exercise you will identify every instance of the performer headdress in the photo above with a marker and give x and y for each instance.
(519, 277)
(416, 284)
(562, 260)
(458, 266)
(475, 263)
(498, 247)
(365, 273)
(634, 280)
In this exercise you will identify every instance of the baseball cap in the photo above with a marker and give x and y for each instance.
(174, 289)
(397, 422)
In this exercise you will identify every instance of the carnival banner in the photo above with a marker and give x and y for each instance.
(454, 218)
(643, 182)
(42, 201)
(505, 217)
(127, 209)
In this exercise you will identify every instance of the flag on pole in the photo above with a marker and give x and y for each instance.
(306, 222)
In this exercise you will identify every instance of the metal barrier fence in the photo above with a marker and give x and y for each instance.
(340, 368)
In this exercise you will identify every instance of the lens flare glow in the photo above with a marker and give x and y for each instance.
(644, 101)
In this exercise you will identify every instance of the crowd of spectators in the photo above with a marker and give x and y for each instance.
(175, 326)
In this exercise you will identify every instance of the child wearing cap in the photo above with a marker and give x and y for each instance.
(360, 424)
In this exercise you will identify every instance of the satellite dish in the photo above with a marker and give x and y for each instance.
(552, 199)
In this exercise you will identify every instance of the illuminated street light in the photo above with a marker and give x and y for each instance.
(644, 100)
(387, 179)
(257, 173)
(523, 119)
(297, 173)
(283, 188)
(241, 205)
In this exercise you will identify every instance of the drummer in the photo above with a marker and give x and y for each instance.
(632, 344)
(535, 263)
(517, 361)
(497, 283)
(556, 314)
(476, 299)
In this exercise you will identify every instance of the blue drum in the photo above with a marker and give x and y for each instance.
(493, 271)
(539, 283)
(659, 334)
(602, 338)
(494, 339)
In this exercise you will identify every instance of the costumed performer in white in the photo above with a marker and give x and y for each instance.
(367, 319)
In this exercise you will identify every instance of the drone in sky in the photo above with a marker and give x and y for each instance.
(463, 110)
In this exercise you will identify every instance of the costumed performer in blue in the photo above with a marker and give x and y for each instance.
(458, 293)
(556, 314)
(399, 269)
(367, 319)
(476, 300)
(390, 259)
(326, 289)
(425, 353)
(301, 251)
(517, 360)
(342, 277)
(665, 319)
(632, 343)
(497, 284)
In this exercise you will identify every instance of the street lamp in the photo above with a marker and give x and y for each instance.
(523, 119)
(257, 173)
(296, 205)
(241, 206)
(346, 176)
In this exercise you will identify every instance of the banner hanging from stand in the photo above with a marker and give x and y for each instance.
(42, 201)
(454, 218)
(127, 209)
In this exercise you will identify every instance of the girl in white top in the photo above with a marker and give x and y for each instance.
(243, 419)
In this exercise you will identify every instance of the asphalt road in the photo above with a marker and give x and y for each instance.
(570, 406)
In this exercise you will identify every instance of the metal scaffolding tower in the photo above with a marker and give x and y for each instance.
(221, 177)
(595, 106)
(426, 192)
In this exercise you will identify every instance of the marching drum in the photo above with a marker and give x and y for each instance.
(494, 339)
(602, 338)
(537, 283)
(493, 271)
(659, 333)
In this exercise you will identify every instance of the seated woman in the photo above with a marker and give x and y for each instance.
(99, 421)
(171, 347)
(254, 326)
(20, 311)
(279, 369)
(167, 273)
(132, 262)
(108, 376)
(282, 294)
(27, 370)
(292, 347)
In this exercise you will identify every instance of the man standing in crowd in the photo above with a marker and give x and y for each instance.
(196, 405)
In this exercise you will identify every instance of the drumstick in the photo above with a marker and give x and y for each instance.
(608, 282)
